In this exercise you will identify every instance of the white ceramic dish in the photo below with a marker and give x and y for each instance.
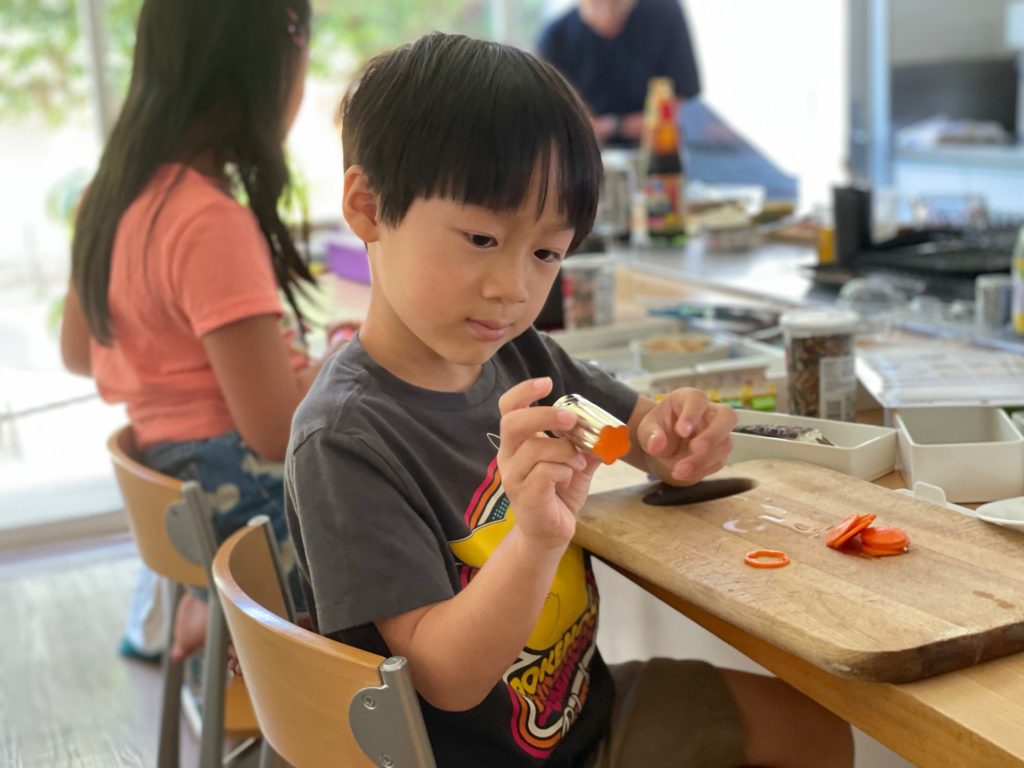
(860, 450)
(1005, 512)
(973, 453)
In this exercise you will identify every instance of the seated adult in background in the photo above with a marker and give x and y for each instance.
(610, 49)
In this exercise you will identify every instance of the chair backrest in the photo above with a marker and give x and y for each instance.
(318, 702)
(147, 495)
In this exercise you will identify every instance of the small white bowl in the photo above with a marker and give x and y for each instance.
(973, 453)
(1006, 512)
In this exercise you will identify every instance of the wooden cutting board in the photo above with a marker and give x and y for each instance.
(955, 599)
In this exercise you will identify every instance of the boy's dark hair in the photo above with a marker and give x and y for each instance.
(470, 121)
(208, 76)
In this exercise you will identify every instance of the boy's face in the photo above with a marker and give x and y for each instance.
(453, 283)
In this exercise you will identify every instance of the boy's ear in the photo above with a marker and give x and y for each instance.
(359, 205)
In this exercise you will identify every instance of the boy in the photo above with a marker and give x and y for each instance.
(432, 515)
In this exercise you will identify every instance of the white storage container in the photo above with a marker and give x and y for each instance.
(973, 453)
(860, 450)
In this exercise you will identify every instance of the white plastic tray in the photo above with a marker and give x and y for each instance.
(974, 453)
(860, 450)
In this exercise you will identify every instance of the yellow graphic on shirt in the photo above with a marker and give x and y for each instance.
(566, 599)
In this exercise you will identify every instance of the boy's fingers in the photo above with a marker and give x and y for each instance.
(523, 394)
(656, 432)
(542, 450)
(718, 423)
(690, 405)
(520, 425)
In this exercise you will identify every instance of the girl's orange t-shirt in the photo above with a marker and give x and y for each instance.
(187, 259)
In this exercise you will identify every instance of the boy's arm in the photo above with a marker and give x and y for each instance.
(459, 648)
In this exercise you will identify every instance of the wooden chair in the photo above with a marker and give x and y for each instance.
(318, 702)
(171, 523)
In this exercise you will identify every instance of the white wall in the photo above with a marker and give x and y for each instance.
(777, 72)
(946, 30)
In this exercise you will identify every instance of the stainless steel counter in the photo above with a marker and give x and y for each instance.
(770, 272)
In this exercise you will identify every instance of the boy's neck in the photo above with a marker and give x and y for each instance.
(411, 361)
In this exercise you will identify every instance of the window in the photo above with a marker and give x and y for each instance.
(66, 66)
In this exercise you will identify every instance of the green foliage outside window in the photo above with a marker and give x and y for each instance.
(43, 53)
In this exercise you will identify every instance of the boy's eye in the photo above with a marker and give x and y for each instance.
(480, 241)
(548, 255)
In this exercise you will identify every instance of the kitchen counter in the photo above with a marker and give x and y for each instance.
(773, 272)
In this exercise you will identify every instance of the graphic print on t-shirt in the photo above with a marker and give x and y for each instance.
(548, 682)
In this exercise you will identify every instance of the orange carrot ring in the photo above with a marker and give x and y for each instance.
(885, 538)
(753, 558)
(847, 529)
(881, 551)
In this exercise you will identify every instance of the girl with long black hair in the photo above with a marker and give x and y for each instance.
(174, 305)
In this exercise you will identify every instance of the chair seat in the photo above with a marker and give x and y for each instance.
(239, 716)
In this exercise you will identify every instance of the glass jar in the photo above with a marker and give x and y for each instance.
(822, 382)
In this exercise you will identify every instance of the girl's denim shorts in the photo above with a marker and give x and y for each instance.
(238, 485)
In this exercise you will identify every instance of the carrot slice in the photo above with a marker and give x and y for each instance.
(884, 538)
(880, 552)
(847, 529)
(883, 541)
(612, 444)
(779, 559)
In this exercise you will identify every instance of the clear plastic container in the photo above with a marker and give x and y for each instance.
(879, 304)
(588, 291)
(820, 371)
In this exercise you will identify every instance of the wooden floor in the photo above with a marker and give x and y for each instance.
(66, 697)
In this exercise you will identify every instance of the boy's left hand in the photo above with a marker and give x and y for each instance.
(686, 437)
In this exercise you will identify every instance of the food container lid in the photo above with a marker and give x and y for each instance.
(819, 321)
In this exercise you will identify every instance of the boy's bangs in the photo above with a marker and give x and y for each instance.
(477, 128)
(492, 162)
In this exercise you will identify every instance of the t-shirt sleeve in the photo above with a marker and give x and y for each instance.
(221, 270)
(366, 550)
(679, 58)
(597, 386)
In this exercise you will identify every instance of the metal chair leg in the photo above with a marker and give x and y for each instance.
(269, 758)
(170, 708)
(215, 661)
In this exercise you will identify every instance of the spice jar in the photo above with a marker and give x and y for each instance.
(820, 362)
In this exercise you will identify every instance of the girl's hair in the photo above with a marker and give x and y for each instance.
(209, 77)
(470, 121)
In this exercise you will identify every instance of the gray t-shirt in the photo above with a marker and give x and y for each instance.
(394, 500)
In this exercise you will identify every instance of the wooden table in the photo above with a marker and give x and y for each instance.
(972, 717)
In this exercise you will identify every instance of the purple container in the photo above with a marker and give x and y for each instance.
(346, 257)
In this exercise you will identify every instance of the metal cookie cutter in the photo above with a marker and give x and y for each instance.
(596, 430)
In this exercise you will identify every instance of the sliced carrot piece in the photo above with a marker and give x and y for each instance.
(847, 529)
(882, 541)
(880, 552)
(884, 538)
(779, 559)
(612, 444)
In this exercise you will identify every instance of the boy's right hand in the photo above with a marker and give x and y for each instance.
(546, 478)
